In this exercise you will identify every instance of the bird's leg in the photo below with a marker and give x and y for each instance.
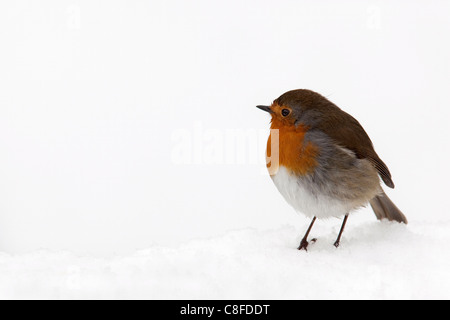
(338, 240)
(304, 244)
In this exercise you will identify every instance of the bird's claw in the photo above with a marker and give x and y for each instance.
(304, 244)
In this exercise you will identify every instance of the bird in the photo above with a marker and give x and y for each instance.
(323, 162)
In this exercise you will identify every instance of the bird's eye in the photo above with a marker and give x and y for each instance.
(285, 112)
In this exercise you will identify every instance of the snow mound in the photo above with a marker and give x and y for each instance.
(375, 261)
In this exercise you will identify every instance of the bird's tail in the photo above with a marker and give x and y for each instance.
(384, 208)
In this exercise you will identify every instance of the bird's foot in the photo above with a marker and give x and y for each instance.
(304, 244)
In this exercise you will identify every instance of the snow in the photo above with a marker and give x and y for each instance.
(375, 261)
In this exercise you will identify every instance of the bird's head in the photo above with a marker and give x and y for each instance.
(298, 107)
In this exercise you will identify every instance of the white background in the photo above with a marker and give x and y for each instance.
(93, 95)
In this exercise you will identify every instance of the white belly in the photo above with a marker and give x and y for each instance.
(301, 198)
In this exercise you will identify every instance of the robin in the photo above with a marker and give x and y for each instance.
(323, 162)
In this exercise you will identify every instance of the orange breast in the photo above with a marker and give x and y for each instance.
(291, 150)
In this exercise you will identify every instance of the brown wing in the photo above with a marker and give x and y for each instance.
(347, 131)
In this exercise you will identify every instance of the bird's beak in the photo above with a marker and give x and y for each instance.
(265, 108)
